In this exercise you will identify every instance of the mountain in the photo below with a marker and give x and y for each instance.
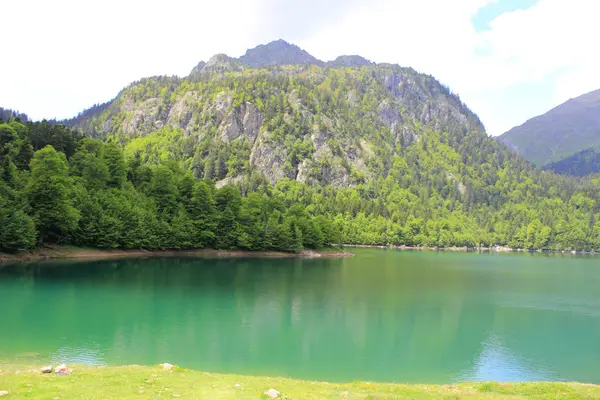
(278, 52)
(350, 61)
(323, 125)
(286, 157)
(583, 163)
(562, 132)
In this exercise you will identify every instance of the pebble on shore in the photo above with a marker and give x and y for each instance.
(63, 370)
(272, 393)
(167, 366)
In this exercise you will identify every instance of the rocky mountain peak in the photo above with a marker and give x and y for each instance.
(350, 61)
(278, 52)
(218, 63)
(198, 68)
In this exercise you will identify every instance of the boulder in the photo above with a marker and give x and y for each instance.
(3, 393)
(46, 370)
(63, 370)
(167, 366)
(272, 394)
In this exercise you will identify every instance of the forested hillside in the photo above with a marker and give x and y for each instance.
(583, 163)
(285, 157)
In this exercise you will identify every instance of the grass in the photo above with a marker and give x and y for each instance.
(136, 382)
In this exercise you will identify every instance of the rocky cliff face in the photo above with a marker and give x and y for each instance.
(318, 125)
(349, 61)
(278, 52)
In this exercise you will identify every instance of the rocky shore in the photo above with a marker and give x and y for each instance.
(71, 252)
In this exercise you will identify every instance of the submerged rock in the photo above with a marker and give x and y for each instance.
(272, 393)
(46, 370)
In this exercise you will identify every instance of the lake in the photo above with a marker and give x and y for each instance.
(384, 315)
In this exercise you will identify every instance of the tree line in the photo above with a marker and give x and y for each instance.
(445, 190)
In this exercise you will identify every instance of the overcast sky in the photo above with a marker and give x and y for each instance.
(509, 60)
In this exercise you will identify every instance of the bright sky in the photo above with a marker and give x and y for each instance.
(509, 60)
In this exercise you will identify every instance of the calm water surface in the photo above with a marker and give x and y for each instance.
(383, 315)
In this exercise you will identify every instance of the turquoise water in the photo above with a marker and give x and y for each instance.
(383, 315)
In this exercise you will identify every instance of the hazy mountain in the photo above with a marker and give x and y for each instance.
(583, 163)
(278, 52)
(349, 61)
(560, 133)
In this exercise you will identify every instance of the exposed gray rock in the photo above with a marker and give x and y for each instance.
(389, 114)
(278, 52)
(143, 118)
(242, 122)
(349, 61)
(196, 70)
(182, 111)
(62, 370)
(269, 158)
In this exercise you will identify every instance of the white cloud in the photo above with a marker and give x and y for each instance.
(550, 43)
(73, 53)
(70, 54)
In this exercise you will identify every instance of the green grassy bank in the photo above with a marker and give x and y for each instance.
(136, 382)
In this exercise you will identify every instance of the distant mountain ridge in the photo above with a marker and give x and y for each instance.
(275, 53)
(561, 133)
(278, 52)
(585, 162)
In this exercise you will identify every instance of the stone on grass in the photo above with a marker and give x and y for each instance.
(3, 393)
(167, 366)
(46, 370)
(272, 393)
(63, 370)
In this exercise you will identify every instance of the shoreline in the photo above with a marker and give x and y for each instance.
(58, 252)
(169, 381)
(493, 249)
(81, 253)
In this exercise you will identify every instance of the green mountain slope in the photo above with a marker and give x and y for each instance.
(325, 125)
(585, 162)
(560, 133)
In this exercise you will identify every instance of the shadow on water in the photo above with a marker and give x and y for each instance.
(381, 316)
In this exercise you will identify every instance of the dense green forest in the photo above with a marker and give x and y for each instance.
(60, 187)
